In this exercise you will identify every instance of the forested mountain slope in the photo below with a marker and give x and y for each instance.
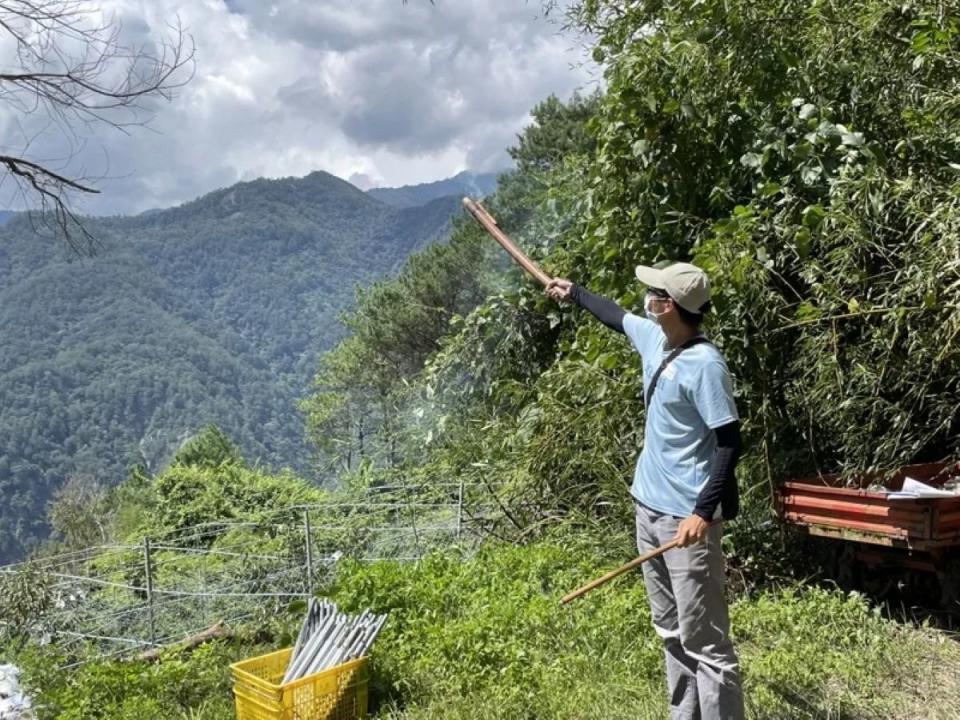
(211, 312)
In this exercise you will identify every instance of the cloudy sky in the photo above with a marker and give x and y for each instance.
(374, 91)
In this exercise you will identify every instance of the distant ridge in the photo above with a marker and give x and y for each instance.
(465, 183)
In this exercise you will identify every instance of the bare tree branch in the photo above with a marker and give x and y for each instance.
(51, 188)
(77, 70)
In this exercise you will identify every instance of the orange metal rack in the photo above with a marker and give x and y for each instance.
(822, 506)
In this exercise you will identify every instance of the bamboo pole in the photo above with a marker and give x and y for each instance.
(490, 225)
(636, 562)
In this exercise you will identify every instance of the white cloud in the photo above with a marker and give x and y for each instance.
(387, 93)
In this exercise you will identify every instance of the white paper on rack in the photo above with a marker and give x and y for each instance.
(914, 490)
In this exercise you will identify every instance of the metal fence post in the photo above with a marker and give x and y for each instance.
(148, 566)
(460, 511)
(308, 538)
(204, 602)
(413, 521)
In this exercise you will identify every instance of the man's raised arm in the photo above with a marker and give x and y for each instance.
(606, 311)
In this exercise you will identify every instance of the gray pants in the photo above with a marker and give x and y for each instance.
(686, 593)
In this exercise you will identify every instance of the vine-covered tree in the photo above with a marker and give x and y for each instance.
(79, 512)
(210, 448)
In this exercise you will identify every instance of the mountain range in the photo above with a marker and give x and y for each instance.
(215, 311)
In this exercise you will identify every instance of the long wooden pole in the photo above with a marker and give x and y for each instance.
(636, 562)
(490, 225)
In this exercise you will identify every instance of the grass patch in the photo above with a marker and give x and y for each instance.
(485, 638)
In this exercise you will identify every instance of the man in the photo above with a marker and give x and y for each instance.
(684, 482)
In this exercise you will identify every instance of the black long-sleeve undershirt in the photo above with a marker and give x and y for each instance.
(721, 488)
(606, 311)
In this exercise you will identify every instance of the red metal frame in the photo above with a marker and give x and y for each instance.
(823, 506)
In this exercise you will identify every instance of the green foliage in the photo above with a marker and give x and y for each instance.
(806, 156)
(130, 502)
(187, 686)
(442, 351)
(25, 596)
(208, 483)
(559, 131)
(189, 495)
(396, 325)
(486, 637)
(211, 448)
(801, 154)
(79, 513)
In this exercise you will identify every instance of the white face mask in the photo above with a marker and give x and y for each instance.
(651, 315)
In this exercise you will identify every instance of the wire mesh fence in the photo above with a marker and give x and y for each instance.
(117, 599)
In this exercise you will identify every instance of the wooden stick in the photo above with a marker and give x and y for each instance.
(490, 225)
(636, 562)
(218, 630)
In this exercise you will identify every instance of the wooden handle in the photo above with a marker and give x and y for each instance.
(490, 225)
(636, 562)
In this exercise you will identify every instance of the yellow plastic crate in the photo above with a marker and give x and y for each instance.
(339, 693)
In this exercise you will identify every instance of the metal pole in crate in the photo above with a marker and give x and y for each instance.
(148, 567)
(308, 538)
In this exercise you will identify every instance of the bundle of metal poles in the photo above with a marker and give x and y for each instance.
(329, 637)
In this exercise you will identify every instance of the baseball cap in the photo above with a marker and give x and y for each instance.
(687, 284)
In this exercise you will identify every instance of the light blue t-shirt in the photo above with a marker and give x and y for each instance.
(693, 396)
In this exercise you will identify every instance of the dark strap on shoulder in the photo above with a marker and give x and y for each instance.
(669, 359)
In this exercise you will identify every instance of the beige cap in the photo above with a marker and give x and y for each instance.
(687, 284)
